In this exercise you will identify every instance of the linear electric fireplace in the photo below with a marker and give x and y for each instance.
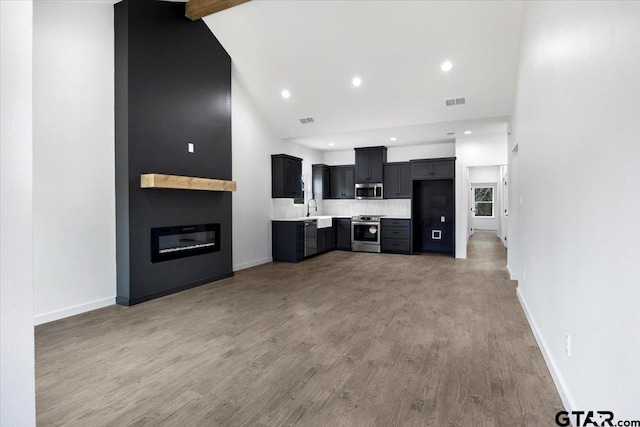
(183, 241)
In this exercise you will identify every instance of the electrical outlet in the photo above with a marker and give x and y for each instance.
(568, 343)
(191, 147)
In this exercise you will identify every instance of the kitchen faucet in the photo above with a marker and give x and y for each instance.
(309, 205)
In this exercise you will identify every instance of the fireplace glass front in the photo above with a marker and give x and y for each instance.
(183, 241)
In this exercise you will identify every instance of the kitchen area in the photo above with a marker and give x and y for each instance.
(371, 206)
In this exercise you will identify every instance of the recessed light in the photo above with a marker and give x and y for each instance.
(357, 81)
(393, 138)
(446, 66)
(286, 94)
(467, 132)
(331, 144)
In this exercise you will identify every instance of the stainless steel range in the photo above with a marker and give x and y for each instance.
(365, 233)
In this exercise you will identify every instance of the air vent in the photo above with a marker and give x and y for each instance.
(450, 133)
(455, 101)
(307, 120)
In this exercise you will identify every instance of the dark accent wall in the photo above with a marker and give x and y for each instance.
(173, 86)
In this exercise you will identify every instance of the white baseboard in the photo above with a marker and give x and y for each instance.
(512, 276)
(250, 264)
(563, 391)
(72, 311)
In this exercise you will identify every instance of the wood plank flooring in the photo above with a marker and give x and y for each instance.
(343, 339)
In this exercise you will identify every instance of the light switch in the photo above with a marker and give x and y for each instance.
(441, 219)
(191, 147)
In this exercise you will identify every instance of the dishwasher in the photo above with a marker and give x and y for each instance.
(310, 237)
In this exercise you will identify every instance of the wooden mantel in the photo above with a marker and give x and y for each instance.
(197, 9)
(177, 182)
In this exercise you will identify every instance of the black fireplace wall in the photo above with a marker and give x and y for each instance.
(173, 87)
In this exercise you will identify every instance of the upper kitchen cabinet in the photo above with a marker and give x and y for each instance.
(397, 180)
(341, 182)
(321, 179)
(286, 177)
(369, 164)
(433, 169)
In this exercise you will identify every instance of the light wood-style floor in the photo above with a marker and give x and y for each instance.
(343, 339)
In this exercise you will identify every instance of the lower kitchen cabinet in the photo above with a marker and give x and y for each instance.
(343, 233)
(326, 239)
(287, 244)
(395, 235)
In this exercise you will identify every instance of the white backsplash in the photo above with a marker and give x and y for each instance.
(285, 208)
(400, 208)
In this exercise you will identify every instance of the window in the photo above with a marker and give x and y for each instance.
(300, 201)
(483, 197)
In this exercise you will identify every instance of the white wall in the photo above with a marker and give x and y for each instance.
(396, 154)
(254, 141)
(576, 125)
(503, 195)
(73, 158)
(486, 176)
(484, 150)
(17, 378)
(513, 226)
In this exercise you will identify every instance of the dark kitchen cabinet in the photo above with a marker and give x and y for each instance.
(370, 164)
(286, 177)
(343, 233)
(341, 182)
(287, 243)
(326, 239)
(433, 213)
(397, 180)
(433, 169)
(395, 235)
(320, 182)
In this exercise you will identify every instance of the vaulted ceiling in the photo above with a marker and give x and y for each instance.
(314, 49)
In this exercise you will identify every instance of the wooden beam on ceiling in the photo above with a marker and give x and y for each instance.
(197, 9)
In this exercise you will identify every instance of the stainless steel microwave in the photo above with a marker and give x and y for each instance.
(368, 191)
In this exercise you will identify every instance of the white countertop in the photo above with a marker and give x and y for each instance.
(304, 218)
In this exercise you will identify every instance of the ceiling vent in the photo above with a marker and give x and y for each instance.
(455, 101)
(307, 120)
(450, 133)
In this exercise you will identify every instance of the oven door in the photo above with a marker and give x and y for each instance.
(365, 236)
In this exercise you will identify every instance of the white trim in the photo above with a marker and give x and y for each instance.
(253, 263)
(512, 275)
(72, 311)
(561, 386)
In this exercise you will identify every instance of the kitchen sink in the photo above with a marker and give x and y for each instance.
(323, 221)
